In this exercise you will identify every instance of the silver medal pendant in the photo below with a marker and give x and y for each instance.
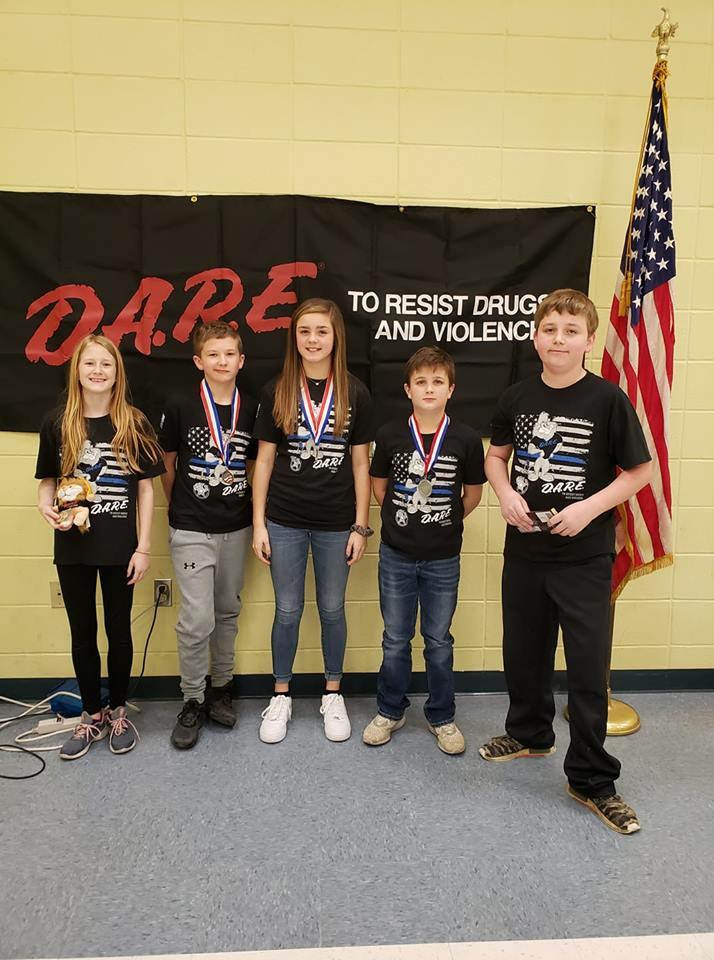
(425, 487)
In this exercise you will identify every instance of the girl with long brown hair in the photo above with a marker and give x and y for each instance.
(110, 449)
(311, 489)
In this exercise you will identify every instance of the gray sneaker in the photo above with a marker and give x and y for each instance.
(122, 732)
(87, 731)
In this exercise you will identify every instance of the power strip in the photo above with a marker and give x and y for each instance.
(56, 725)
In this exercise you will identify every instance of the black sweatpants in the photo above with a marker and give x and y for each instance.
(79, 586)
(537, 598)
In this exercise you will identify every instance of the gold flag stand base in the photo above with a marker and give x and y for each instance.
(622, 719)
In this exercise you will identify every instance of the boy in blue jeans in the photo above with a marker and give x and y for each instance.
(568, 431)
(427, 475)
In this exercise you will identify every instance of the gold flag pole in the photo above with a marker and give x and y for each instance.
(622, 719)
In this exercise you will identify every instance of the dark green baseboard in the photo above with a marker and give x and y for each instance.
(365, 684)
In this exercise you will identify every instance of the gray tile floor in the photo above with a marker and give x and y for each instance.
(237, 845)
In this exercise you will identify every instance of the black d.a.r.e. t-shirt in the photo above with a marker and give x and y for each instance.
(111, 538)
(567, 443)
(307, 491)
(204, 497)
(426, 527)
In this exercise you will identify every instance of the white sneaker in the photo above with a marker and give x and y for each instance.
(337, 723)
(275, 719)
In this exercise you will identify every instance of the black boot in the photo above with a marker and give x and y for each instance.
(220, 705)
(188, 725)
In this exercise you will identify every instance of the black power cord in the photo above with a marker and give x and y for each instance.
(12, 748)
(162, 589)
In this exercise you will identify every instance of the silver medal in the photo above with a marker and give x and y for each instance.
(425, 487)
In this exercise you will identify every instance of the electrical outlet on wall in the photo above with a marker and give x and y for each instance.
(56, 598)
(163, 592)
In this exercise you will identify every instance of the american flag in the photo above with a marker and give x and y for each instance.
(639, 349)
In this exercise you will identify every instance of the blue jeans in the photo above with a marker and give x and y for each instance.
(434, 586)
(288, 563)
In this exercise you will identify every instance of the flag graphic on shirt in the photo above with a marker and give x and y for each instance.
(332, 448)
(639, 350)
(109, 479)
(408, 470)
(552, 450)
(206, 460)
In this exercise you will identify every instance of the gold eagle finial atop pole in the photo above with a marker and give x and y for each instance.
(664, 31)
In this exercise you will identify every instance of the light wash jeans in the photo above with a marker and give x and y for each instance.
(288, 563)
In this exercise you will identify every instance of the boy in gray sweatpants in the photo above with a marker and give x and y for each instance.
(206, 436)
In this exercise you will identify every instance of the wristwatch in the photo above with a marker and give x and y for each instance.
(362, 531)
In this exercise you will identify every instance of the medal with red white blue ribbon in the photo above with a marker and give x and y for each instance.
(215, 428)
(316, 425)
(425, 486)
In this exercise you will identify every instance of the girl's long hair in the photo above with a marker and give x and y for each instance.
(134, 436)
(287, 389)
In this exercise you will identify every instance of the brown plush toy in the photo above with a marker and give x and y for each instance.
(69, 503)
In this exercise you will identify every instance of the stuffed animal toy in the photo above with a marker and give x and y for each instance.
(69, 503)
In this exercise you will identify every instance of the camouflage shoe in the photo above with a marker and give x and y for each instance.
(508, 748)
(612, 810)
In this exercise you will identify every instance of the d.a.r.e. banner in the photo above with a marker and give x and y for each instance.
(143, 270)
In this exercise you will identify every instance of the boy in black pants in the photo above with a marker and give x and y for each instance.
(568, 431)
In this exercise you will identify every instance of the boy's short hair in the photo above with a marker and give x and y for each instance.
(216, 330)
(430, 357)
(569, 301)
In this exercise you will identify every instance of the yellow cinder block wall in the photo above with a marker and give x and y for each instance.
(460, 102)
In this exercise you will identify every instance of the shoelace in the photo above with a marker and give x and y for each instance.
(121, 724)
(87, 731)
(275, 709)
(334, 706)
(447, 728)
(188, 715)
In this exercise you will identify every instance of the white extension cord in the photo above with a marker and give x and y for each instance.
(33, 735)
(55, 726)
(43, 729)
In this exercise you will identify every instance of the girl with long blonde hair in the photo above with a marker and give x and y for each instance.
(109, 448)
(311, 490)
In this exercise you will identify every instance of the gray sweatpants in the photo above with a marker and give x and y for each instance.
(209, 570)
